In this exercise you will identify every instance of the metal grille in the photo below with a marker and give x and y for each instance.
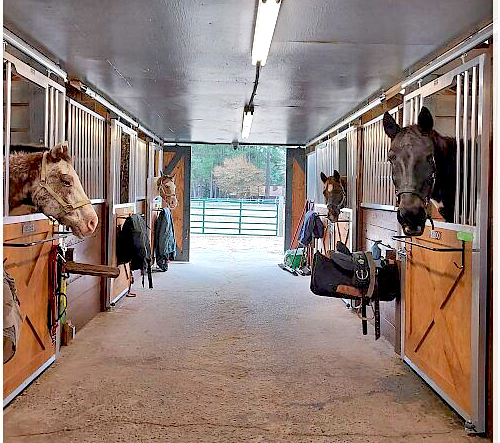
(324, 163)
(311, 176)
(467, 83)
(352, 141)
(86, 137)
(141, 171)
(378, 187)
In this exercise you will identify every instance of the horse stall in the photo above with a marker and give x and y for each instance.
(444, 328)
(34, 107)
(440, 330)
(42, 111)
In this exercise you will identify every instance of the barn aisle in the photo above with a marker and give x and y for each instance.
(229, 348)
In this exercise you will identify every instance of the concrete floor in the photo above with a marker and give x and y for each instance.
(229, 348)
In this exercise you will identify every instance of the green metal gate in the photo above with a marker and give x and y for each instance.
(236, 217)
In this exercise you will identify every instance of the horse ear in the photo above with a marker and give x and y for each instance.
(391, 128)
(59, 152)
(336, 175)
(425, 121)
(324, 178)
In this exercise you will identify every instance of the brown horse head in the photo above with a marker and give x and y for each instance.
(166, 189)
(51, 183)
(335, 195)
(413, 169)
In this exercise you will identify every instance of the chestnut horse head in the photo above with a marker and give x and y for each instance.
(166, 188)
(49, 182)
(335, 194)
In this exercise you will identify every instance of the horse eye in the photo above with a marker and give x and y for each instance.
(67, 180)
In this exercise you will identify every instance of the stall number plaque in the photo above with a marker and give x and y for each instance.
(435, 235)
(29, 228)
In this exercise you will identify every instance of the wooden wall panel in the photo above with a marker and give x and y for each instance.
(84, 291)
(120, 283)
(298, 194)
(295, 192)
(30, 268)
(382, 225)
(178, 213)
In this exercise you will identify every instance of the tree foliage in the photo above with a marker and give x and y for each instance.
(204, 158)
(238, 177)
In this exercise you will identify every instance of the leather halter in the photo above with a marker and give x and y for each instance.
(66, 207)
(413, 191)
(162, 187)
(342, 202)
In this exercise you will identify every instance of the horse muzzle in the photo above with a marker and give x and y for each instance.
(333, 213)
(412, 220)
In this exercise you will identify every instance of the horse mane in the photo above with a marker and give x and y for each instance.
(33, 148)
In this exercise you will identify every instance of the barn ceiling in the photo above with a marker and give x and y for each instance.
(183, 67)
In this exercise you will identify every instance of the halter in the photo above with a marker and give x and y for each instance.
(342, 202)
(162, 187)
(66, 207)
(425, 198)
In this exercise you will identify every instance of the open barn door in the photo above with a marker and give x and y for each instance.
(295, 191)
(444, 335)
(177, 162)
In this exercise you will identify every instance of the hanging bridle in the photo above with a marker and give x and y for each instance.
(66, 207)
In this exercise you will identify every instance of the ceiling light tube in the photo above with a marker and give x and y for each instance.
(247, 122)
(267, 14)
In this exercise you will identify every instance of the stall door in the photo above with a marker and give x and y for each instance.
(438, 316)
(295, 192)
(177, 162)
(445, 305)
(30, 268)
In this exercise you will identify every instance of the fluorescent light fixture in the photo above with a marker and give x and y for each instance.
(247, 121)
(267, 14)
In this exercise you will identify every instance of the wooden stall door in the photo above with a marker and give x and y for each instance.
(30, 268)
(438, 298)
(295, 191)
(177, 162)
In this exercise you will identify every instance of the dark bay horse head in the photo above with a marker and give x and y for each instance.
(413, 169)
(335, 195)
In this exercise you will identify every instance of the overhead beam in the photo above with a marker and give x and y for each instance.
(12, 39)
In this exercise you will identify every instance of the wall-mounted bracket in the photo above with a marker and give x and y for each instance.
(401, 238)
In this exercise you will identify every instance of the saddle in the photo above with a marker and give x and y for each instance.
(356, 276)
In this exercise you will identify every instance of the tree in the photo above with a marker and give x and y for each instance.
(238, 177)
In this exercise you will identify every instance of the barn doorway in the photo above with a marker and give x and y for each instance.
(237, 200)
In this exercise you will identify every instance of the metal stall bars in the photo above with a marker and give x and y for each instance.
(378, 189)
(466, 116)
(117, 150)
(140, 171)
(53, 110)
(86, 136)
(312, 179)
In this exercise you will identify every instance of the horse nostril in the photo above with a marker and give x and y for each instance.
(92, 224)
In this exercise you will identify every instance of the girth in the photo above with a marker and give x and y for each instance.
(66, 207)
